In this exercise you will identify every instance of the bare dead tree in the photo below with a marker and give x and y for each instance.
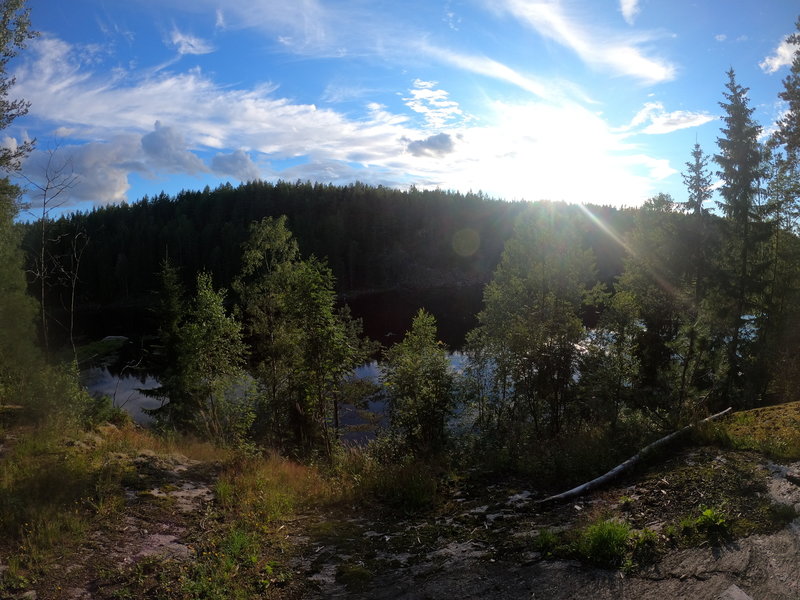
(49, 190)
(68, 266)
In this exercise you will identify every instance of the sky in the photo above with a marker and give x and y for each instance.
(597, 101)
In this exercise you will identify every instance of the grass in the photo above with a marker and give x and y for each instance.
(50, 494)
(241, 551)
(405, 487)
(772, 430)
(605, 543)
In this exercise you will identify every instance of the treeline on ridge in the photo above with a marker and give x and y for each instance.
(373, 238)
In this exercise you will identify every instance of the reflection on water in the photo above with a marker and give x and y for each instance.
(123, 390)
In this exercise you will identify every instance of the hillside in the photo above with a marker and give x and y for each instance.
(117, 513)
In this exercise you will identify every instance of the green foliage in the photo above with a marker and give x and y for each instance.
(604, 543)
(711, 523)
(525, 348)
(203, 384)
(610, 365)
(302, 347)
(419, 388)
(645, 548)
(101, 410)
(15, 31)
(546, 542)
(19, 357)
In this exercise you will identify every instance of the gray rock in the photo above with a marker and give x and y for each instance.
(734, 592)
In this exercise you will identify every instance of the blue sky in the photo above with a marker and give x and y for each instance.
(579, 100)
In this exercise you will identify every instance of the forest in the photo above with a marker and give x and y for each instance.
(598, 329)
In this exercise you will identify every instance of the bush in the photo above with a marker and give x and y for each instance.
(408, 486)
(604, 543)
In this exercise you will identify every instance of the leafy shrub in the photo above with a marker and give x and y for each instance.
(712, 522)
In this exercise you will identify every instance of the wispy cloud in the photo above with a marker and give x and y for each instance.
(661, 122)
(617, 53)
(186, 43)
(488, 67)
(629, 9)
(781, 57)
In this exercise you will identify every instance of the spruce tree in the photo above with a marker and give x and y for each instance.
(741, 170)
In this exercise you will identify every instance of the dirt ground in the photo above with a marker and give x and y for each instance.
(484, 550)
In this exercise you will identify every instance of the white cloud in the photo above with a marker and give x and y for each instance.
(219, 22)
(781, 57)
(188, 44)
(629, 9)
(481, 65)
(720, 37)
(661, 122)
(679, 119)
(433, 104)
(237, 164)
(530, 150)
(617, 53)
(100, 169)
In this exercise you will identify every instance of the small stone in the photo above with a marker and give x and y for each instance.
(734, 592)
(29, 595)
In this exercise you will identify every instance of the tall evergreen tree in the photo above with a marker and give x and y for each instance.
(741, 171)
(692, 342)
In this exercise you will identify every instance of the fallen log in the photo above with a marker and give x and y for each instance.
(621, 468)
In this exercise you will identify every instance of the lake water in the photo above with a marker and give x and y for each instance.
(124, 391)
